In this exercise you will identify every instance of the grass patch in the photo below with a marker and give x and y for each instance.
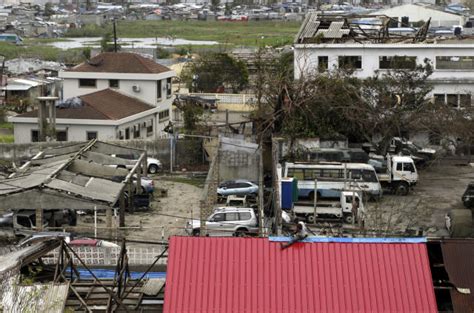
(252, 33)
(39, 50)
(7, 139)
(197, 182)
(6, 125)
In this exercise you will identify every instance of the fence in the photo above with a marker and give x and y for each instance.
(230, 101)
(110, 255)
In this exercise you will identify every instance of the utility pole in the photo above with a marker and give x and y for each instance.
(115, 37)
(262, 231)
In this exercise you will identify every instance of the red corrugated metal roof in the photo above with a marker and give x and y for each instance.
(254, 275)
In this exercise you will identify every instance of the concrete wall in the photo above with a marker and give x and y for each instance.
(238, 159)
(188, 152)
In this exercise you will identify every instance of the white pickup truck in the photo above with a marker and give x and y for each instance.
(341, 209)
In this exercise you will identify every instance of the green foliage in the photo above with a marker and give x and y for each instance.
(48, 9)
(215, 70)
(192, 114)
(106, 43)
(86, 52)
(162, 53)
(215, 4)
(43, 52)
(183, 51)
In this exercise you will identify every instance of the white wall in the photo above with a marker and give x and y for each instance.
(106, 130)
(444, 81)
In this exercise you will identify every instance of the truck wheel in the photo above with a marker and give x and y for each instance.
(401, 189)
(153, 169)
(310, 218)
(196, 232)
(348, 218)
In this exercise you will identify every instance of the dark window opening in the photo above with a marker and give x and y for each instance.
(34, 136)
(127, 133)
(113, 83)
(452, 100)
(149, 128)
(136, 131)
(168, 87)
(439, 99)
(397, 62)
(350, 62)
(158, 89)
(323, 63)
(61, 135)
(455, 63)
(87, 83)
(91, 135)
(164, 115)
(465, 100)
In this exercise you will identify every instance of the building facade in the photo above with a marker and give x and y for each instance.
(453, 63)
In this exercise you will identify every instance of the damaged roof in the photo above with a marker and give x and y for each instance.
(120, 62)
(209, 274)
(105, 104)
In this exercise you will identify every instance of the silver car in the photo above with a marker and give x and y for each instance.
(237, 187)
(227, 221)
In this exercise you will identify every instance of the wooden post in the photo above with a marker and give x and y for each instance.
(39, 219)
(122, 211)
(315, 200)
(108, 221)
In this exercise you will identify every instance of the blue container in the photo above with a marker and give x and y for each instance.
(287, 193)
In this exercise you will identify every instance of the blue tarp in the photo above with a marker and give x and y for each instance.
(109, 274)
(353, 240)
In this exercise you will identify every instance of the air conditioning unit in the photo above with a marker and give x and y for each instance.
(136, 88)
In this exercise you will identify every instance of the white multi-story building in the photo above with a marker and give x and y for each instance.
(453, 63)
(120, 96)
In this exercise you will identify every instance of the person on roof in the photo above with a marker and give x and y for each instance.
(300, 234)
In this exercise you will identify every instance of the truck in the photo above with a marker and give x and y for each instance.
(395, 172)
(339, 210)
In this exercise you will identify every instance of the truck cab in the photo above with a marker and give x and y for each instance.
(403, 172)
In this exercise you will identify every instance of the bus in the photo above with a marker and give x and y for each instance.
(332, 178)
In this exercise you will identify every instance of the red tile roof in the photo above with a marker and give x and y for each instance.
(120, 62)
(255, 275)
(105, 104)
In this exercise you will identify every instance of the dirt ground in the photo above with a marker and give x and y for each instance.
(438, 191)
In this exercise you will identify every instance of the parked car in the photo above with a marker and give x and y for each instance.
(468, 196)
(147, 183)
(237, 187)
(153, 165)
(24, 221)
(6, 220)
(227, 221)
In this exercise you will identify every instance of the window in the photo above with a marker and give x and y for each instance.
(397, 62)
(127, 133)
(455, 63)
(408, 167)
(219, 217)
(439, 99)
(399, 167)
(234, 216)
(61, 135)
(163, 115)
(149, 128)
(245, 216)
(296, 173)
(113, 83)
(87, 83)
(24, 221)
(158, 89)
(350, 62)
(91, 135)
(168, 87)
(136, 131)
(34, 136)
(323, 62)
(465, 100)
(452, 100)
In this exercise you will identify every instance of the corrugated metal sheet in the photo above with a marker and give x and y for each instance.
(458, 256)
(152, 286)
(256, 275)
(49, 298)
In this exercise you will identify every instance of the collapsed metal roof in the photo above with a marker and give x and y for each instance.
(356, 28)
(78, 176)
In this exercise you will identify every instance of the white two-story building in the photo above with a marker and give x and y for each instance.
(452, 59)
(120, 96)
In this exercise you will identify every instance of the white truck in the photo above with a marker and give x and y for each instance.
(339, 210)
(395, 172)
